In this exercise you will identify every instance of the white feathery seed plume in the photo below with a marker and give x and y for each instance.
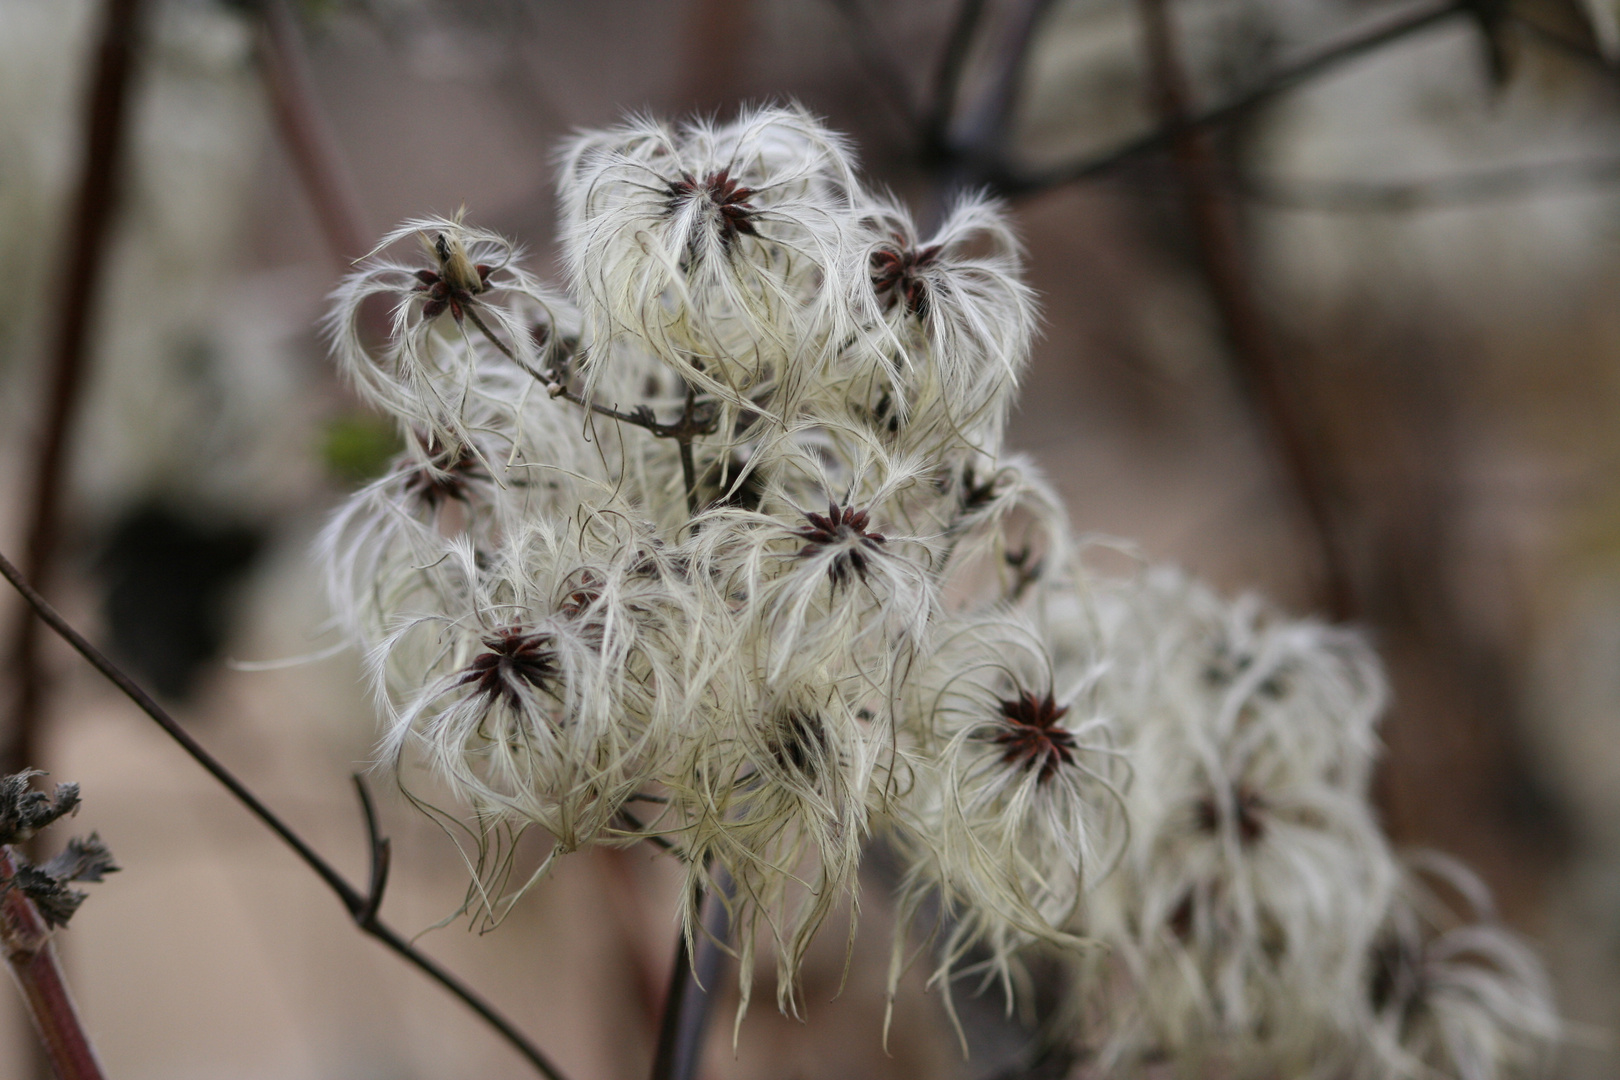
(722, 549)
(1449, 991)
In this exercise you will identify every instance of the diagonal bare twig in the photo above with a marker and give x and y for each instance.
(1009, 181)
(308, 137)
(361, 907)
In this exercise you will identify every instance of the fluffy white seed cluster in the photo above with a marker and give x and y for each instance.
(720, 547)
(1259, 924)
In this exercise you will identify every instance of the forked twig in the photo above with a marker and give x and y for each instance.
(381, 857)
(697, 418)
(362, 907)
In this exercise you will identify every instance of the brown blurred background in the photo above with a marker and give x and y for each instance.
(1353, 347)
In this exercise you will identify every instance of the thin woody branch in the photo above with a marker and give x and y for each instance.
(307, 136)
(1007, 179)
(381, 856)
(694, 420)
(359, 905)
(985, 126)
(105, 137)
(948, 78)
(692, 987)
(697, 418)
(1253, 347)
(640, 828)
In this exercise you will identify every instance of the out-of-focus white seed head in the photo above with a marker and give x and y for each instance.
(1256, 876)
(1448, 991)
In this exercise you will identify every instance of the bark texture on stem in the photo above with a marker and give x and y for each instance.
(31, 958)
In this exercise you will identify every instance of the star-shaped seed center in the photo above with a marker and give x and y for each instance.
(454, 284)
(897, 275)
(447, 475)
(1030, 736)
(728, 197)
(512, 658)
(842, 527)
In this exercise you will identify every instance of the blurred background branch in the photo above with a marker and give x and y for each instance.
(104, 139)
(1422, 239)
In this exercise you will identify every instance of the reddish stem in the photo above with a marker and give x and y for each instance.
(105, 135)
(31, 958)
(1253, 348)
(308, 137)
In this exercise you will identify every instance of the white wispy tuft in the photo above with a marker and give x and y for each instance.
(722, 550)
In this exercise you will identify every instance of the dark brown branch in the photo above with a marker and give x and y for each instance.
(307, 136)
(1009, 181)
(684, 433)
(985, 128)
(879, 62)
(105, 135)
(948, 79)
(693, 983)
(26, 940)
(669, 1025)
(1252, 347)
(359, 906)
(381, 857)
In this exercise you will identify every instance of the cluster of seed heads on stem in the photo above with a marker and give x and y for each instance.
(719, 545)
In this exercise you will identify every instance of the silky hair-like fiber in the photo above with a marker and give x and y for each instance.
(720, 547)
